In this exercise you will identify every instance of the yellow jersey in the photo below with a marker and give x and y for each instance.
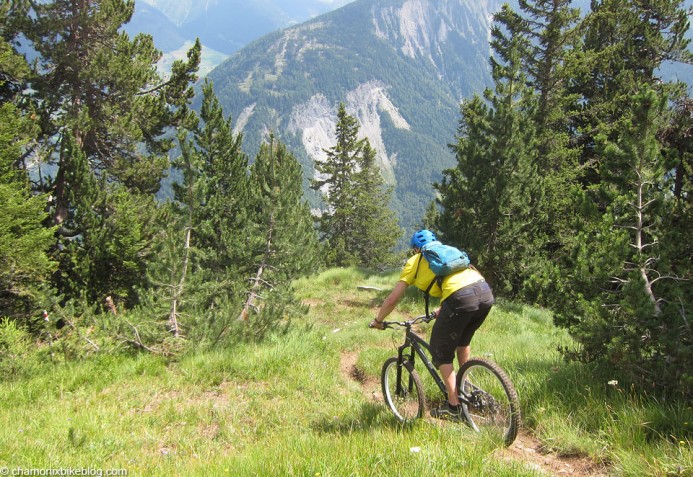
(417, 272)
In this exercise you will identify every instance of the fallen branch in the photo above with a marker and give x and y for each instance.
(368, 288)
(137, 342)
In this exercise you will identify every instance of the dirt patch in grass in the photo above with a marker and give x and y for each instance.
(351, 371)
(313, 302)
(534, 454)
(526, 447)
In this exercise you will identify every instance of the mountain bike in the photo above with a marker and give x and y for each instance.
(488, 398)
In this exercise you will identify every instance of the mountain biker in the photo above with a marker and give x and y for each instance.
(466, 300)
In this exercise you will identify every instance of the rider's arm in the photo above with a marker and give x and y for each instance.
(390, 303)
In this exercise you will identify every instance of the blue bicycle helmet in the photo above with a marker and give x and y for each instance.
(421, 238)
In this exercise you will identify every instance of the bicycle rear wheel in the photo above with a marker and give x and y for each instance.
(402, 390)
(489, 400)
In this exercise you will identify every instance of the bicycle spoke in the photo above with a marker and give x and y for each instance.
(402, 390)
(490, 401)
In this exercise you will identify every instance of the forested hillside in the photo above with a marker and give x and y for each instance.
(569, 179)
(573, 180)
(401, 68)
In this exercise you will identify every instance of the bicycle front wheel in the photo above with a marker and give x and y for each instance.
(489, 400)
(402, 390)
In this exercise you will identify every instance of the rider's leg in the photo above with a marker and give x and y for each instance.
(447, 371)
(463, 353)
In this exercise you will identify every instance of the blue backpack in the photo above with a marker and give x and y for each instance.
(443, 260)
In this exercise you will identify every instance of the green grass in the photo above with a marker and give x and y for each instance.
(285, 407)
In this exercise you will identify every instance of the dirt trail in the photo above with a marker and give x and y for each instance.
(526, 448)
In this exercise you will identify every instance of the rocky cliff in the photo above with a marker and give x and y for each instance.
(401, 68)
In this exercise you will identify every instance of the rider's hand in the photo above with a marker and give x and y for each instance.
(377, 324)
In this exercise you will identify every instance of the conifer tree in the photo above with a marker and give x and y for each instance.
(352, 184)
(678, 225)
(336, 179)
(180, 233)
(491, 198)
(24, 241)
(620, 261)
(281, 239)
(13, 68)
(625, 43)
(222, 220)
(373, 219)
(200, 281)
(635, 317)
(550, 27)
(102, 109)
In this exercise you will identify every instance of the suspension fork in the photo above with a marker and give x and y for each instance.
(402, 357)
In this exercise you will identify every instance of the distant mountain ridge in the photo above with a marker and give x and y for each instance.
(400, 66)
(223, 26)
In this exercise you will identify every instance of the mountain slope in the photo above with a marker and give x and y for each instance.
(148, 19)
(401, 67)
(223, 26)
(227, 25)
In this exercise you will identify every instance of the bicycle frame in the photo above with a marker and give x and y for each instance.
(417, 345)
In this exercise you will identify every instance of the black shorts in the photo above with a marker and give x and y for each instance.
(460, 316)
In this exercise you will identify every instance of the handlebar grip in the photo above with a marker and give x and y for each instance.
(384, 323)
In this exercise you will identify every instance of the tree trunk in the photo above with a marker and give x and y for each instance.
(253, 293)
(173, 324)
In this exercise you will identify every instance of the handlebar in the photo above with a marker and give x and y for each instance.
(407, 324)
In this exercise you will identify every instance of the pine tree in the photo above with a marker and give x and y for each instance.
(635, 317)
(620, 263)
(490, 199)
(180, 239)
(222, 220)
(335, 177)
(202, 248)
(625, 43)
(466, 192)
(103, 111)
(25, 266)
(550, 27)
(372, 219)
(13, 68)
(24, 241)
(354, 190)
(675, 231)
(282, 240)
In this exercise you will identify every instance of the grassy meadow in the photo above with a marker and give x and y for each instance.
(307, 404)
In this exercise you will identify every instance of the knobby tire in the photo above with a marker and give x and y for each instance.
(490, 402)
(405, 400)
